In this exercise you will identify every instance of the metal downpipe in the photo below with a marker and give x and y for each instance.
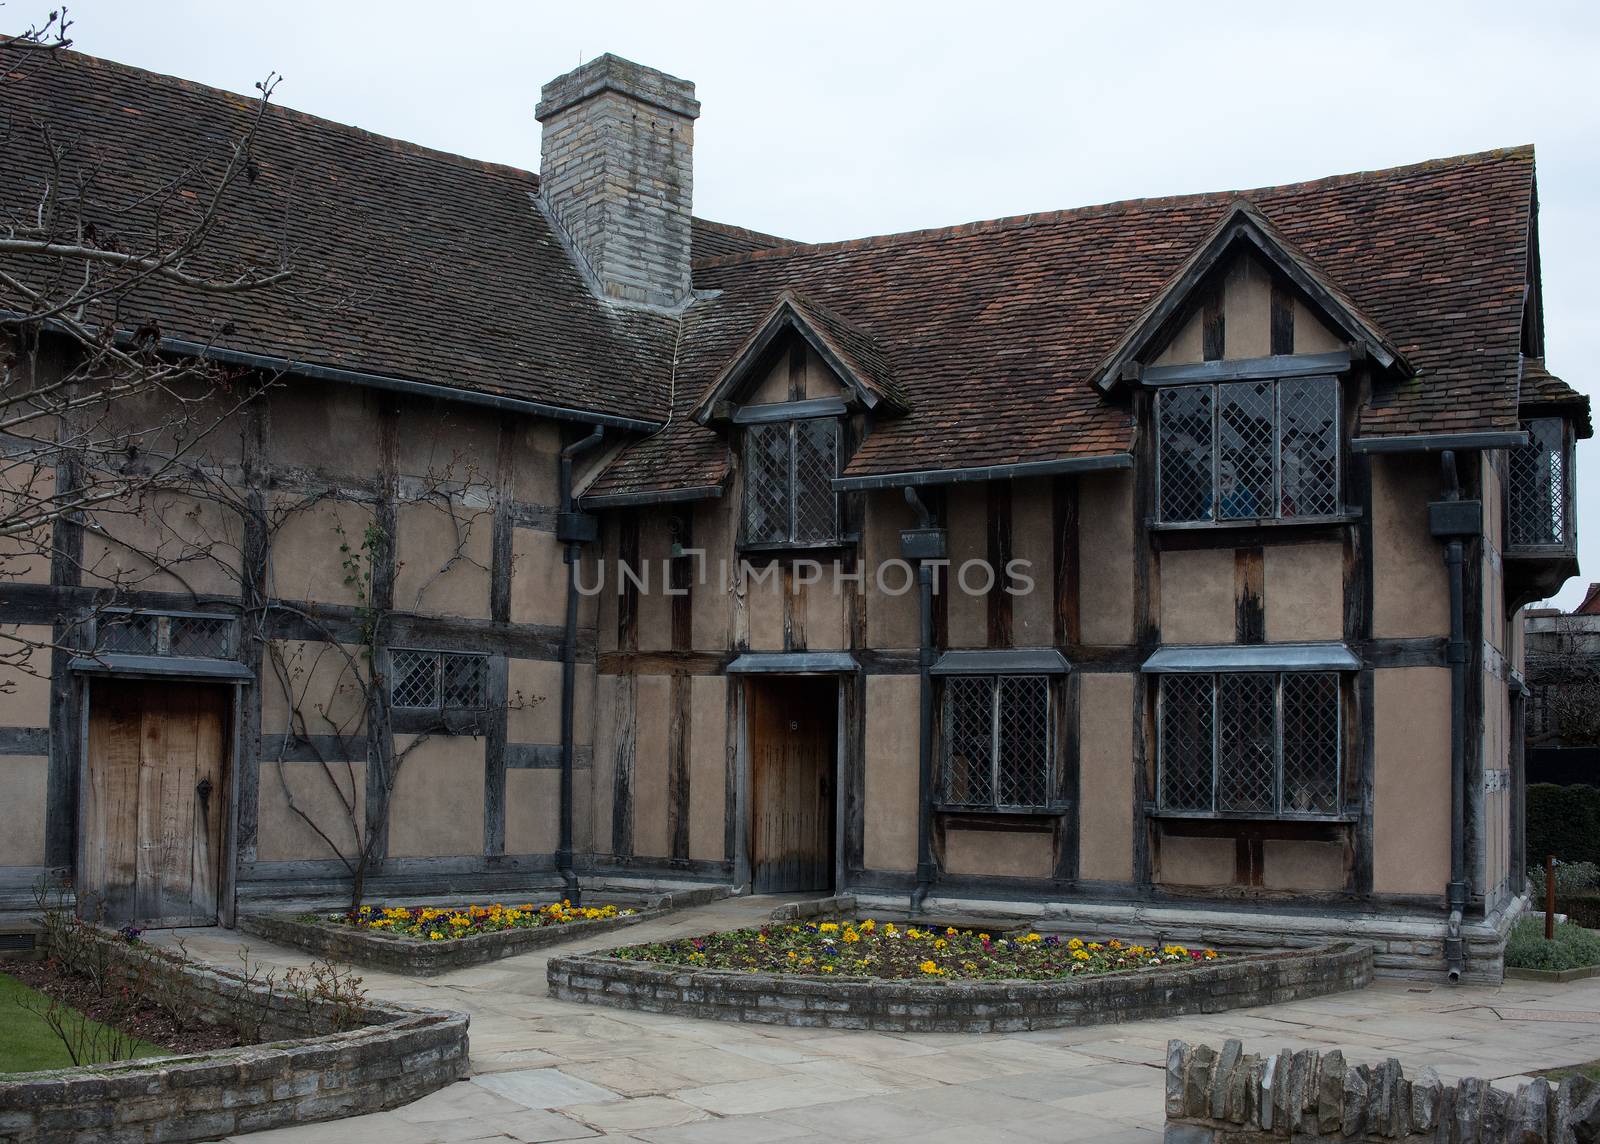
(1456, 655)
(925, 864)
(569, 657)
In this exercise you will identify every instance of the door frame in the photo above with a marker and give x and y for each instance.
(228, 864)
(743, 808)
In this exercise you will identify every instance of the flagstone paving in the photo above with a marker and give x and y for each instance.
(546, 1070)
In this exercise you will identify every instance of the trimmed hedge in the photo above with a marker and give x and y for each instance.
(1564, 821)
(1573, 948)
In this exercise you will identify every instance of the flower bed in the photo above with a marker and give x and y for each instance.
(426, 940)
(886, 951)
(931, 1002)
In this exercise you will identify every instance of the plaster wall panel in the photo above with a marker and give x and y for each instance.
(1291, 864)
(891, 618)
(650, 838)
(539, 579)
(1197, 596)
(1247, 310)
(537, 479)
(967, 514)
(166, 542)
(600, 778)
(533, 691)
(321, 681)
(25, 676)
(447, 442)
(26, 556)
(1033, 540)
(1105, 785)
(822, 608)
(23, 783)
(1304, 592)
(307, 563)
(1411, 799)
(709, 604)
(533, 810)
(821, 381)
(773, 385)
(764, 603)
(443, 557)
(1311, 336)
(1411, 590)
(324, 796)
(1003, 854)
(1105, 557)
(1196, 861)
(708, 766)
(437, 807)
(655, 605)
(322, 428)
(890, 818)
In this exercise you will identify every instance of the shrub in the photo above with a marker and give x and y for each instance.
(1564, 821)
(1573, 948)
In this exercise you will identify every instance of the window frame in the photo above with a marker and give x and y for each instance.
(790, 424)
(1340, 812)
(162, 635)
(439, 655)
(1215, 387)
(1047, 781)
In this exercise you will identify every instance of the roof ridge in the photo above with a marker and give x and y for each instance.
(194, 86)
(1118, 206)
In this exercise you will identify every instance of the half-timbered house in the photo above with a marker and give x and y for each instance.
(1154, 564)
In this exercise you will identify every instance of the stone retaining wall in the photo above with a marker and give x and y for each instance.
(960, 1006)
(399, 1053)
(1241, 1098)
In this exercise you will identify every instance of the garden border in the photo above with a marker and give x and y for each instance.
(1235, 982)
(422, 958)
(401, 1053)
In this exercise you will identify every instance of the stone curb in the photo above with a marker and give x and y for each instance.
(960, 1006)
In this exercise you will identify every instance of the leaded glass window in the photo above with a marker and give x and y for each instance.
(1537, 506)
(186, 634)
(435, 680)
(1252, 743)
(789, 469)
(1248, 450)
(998, 742)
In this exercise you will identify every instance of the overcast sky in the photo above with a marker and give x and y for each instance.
(834, 120)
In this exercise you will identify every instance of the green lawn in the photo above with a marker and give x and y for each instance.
(1590, 1070)
(26, 1042)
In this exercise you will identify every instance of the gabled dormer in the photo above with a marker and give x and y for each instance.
(1246, 354)
(794, 400)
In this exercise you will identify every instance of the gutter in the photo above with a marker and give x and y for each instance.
(664, 496)
(926, 544)
(403, 385)
(1434, 442)
(574, 528)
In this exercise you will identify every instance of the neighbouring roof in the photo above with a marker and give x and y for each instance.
(415, 264)
(1543, 392)
(1591, 602)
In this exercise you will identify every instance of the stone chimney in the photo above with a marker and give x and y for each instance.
(617, 174)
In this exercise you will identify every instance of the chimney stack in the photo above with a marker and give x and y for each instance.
(616, 173)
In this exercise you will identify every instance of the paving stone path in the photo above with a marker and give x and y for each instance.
(551, 1070)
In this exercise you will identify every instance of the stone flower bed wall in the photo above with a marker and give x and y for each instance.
(960, 1006)
(1307, 1096)
(397, 954)
(397, 1054)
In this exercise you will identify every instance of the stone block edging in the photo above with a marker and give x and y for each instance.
(1559, 976)
(399, 1053)
(960, 1006)
(423, 958)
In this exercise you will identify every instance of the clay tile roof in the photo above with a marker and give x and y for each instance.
(995, 326)
(1544, 392)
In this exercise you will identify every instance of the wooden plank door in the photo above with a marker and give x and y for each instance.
(154, 802)
(792, 740)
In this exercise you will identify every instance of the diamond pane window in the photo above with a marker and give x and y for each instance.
(1248, 450)
(432, 680)
(998, 743)
(187, 634)
(1257, 744)
(1537, 508)
(789, 469)
(133, 633)
(201, 636)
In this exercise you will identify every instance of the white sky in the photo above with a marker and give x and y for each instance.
(835, 120)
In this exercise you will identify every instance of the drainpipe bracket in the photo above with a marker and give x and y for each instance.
(577, 527)
(923, 544)
(1449, 519)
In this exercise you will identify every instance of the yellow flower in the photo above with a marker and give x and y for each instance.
(1075, 943)
(827, 969)
(983, 937)
(793, 955)
(868, 926)
(928, 967)
(828, 927)
(1032, 937)
(950, 931)
(1080, 955)
(435, 936)
(939, 943)
(850, 936)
